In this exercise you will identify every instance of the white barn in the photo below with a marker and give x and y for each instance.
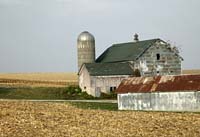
(95, 78)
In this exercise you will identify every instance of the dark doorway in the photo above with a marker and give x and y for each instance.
(158, 56)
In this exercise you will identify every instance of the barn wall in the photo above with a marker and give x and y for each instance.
(167, 101)
(169, 63)
(84, 80)
(103, 83)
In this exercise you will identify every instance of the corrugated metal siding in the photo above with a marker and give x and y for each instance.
(160, 84)
(168, 101)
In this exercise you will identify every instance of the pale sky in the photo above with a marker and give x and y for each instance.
(40, 35)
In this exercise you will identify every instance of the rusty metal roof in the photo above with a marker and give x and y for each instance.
(160, 84)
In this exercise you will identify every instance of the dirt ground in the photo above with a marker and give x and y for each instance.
(42, 119)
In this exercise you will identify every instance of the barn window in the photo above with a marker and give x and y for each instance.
(113, 88)
(158, 56)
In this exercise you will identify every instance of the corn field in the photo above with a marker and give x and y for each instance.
(42, 119)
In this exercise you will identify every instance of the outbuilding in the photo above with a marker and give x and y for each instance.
(160, 93)
(97, 78)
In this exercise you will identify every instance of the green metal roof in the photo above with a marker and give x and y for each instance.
(104, 69)
(125, 51)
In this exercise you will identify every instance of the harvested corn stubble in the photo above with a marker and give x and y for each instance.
(43, 119)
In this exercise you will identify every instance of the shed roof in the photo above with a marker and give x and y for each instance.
(125, 51)
(160, 84)
(104, 69)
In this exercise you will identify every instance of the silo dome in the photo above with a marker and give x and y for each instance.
(85, 48)
(85, 36)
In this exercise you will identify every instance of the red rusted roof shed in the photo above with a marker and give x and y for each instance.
(160, 84)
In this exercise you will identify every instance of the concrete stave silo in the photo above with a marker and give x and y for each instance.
(85, 48)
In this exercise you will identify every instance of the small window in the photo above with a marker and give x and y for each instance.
(84, 87)
(158, 56)
(158, 72)
(113, 88)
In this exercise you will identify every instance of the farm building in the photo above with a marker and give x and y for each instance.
(144, 58)
(160, 93)
(102, 77)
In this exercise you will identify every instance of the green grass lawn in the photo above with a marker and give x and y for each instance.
(95, 105)
(31, 93)
(48, 93)
(41, 93)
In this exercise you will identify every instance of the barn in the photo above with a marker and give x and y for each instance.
(97, 78)
(150, 57)
(136, 58)
(160, 93)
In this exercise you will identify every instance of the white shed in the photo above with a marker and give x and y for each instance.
(160, 93)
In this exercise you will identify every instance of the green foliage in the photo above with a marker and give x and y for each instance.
(74, 92)
(112, 95)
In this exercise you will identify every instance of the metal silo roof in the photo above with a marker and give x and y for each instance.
(86, 36)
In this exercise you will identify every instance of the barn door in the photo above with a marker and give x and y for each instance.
(97, 91)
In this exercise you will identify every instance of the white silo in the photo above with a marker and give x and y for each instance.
(86, 48)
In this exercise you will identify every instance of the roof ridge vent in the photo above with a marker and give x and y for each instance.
(136, 39)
